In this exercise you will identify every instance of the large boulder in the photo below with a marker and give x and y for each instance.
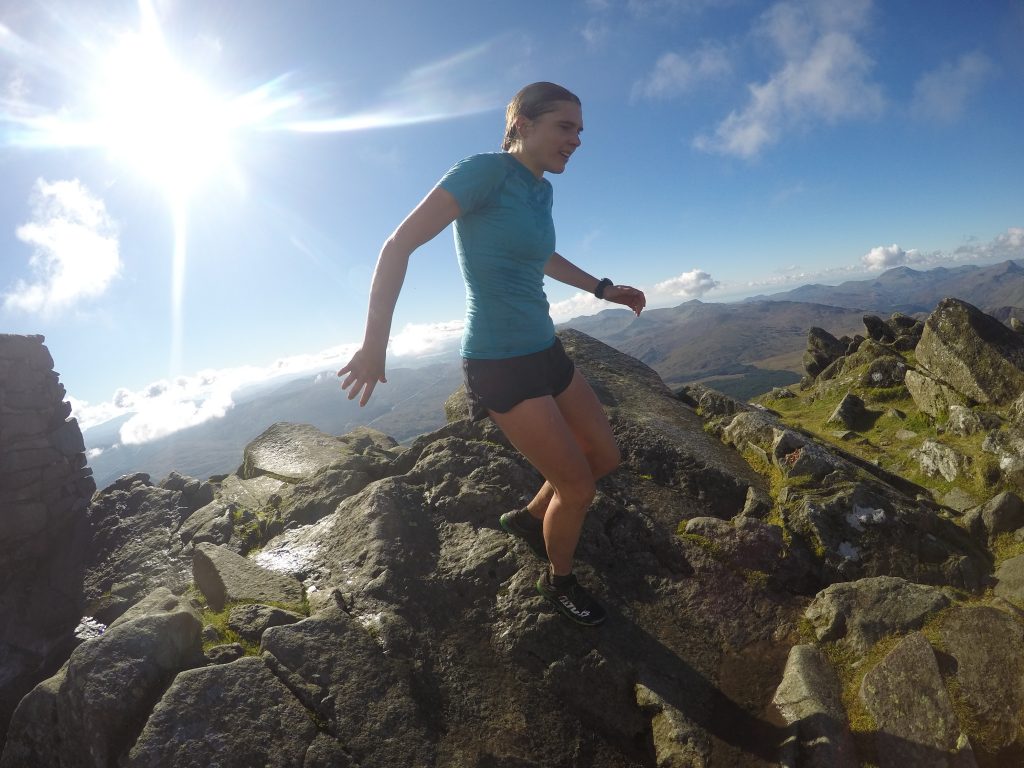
(822, 349)
(92, 710)
(295, 452)
(930, 395)
(860, 613)
(908, 700)
(974, 353)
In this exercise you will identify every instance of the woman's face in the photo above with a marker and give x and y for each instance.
(549, 140)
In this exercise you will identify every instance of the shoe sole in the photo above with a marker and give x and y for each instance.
(562, 610)
(512, 530)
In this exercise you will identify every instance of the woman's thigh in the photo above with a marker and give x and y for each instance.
(585, 418)
(539, 430)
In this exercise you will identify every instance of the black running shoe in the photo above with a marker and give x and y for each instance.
(521, 524)
(572, 600)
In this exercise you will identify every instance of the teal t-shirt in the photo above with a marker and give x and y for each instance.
(504, 236)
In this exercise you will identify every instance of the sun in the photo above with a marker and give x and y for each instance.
(157, 118)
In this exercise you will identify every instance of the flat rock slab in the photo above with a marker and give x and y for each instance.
(224, 576)
(296, 452)
(292, 452)
(909, 702)
(1010, 580)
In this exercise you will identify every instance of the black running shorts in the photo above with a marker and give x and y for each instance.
(499, 385)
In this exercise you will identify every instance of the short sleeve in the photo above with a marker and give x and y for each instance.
(471, 181)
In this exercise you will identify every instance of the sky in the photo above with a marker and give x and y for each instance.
(195, 193)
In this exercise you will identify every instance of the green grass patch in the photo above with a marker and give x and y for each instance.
(1006, 546)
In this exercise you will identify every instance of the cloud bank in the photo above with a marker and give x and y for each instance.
(942, 94)
(691, 285)
(824, 76)
(75, 252)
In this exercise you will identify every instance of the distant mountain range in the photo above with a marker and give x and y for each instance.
(743, 348)
(911, 291)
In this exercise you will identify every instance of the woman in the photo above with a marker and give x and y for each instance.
(515, 369)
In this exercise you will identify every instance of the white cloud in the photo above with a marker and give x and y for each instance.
(595, 32)
(942, 94)
(417, 339)
(884, 257)
(163, 407)
(674, 74)
(823, 76)
(577, 305)
(692, 284)
(75, 251)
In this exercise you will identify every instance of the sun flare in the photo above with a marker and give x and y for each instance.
(159, 119)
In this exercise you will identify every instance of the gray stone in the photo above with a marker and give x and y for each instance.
(988, 647)
(294, 452)
(938, 460)
(959, 499)
(862, 612)
(850, 412)
(1000, 514)
(1010, 580)
(974, 353)
(212, 523)
(822, 349)
(226, 577)
(908, 700)
(255, 493)
(886, 371)
(224, 654)
(247, 718)
(674, 742)
(252, 620)
(930, 395)
(809, 698)
(341, 672)
(98, 702)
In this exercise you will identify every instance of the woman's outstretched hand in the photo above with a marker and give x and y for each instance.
(623, 294)
(363, 372)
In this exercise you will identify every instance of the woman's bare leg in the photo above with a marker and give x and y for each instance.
(569, 441)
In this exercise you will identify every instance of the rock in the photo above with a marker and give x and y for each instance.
(98, 702)
(878, 330)
(225, 654)
(1010, 580)
(959, 500)
(45, 486)
(1016, 411)
(850, 412)
(781, 393)
(245, 713)
(342, 673)
(758, 503)
(908, 700)
(938, 460)
(212, 523)
(974, 353)
(1000, 514)
(930, 395)
(905, 434)
(963, 421)
(255, 494)
(822, 349)
(884, 372)
(133, 523)
(252, 620)
(810, 701)
(194, 493)
(860, 613)
(225, 577)
(674, 745)
(988, 672)
(295, 452)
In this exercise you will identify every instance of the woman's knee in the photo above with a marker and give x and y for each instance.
(576, 492)
(605, 461)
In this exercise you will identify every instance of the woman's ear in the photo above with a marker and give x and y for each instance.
(523, 125)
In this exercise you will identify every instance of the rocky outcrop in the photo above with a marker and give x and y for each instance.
(44, 490)
(822, 349)
(365, 608)
(973, 353)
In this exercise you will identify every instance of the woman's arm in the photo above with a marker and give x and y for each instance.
(435, 212)
(563, 270)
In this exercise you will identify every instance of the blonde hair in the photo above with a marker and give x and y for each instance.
(531, 102)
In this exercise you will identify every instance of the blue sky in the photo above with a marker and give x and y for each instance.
(195, 193)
